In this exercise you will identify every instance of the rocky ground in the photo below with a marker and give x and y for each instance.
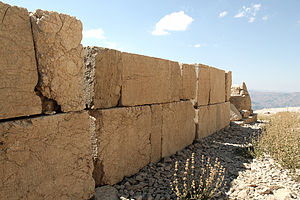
(246, 178)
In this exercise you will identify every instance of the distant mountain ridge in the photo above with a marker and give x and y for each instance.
(262, 100)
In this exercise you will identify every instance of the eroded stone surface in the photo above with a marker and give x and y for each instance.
(147, 80)
(46, 158)
(189, 80)
(178, 127)
(217, 86)
(156, 131)
(212, 118)
(235, 115)
(18, 75)
(123, 139)
(203, 85)
(102, 77)
(59, 54)
(228, 83)
(241, 102)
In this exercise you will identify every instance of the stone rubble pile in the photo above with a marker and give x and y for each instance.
(240, 105)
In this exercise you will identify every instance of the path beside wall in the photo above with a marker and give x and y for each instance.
(73, 117)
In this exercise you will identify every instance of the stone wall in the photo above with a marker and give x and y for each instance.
(73, 117)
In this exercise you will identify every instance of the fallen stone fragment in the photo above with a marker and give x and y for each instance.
(106, 192)
(18, 73)
(234, 113)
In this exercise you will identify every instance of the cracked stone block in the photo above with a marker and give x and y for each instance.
(228, 83)
(156, 131)
(59, 56)
(178, 126)
(189, 81)
(18, 73)
(102, 77)
(213, 118)
(148, 80)
(217, 86)
(123, 140)
(46, 158)
(203, 85)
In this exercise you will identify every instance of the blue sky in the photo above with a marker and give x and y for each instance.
(259, 41)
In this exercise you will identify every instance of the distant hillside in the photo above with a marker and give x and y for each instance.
(262, 100)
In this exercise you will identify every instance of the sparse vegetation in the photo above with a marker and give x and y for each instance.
(281, 139)
(203, 183)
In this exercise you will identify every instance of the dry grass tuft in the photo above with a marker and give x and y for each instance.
(202, 183)
(281, 139)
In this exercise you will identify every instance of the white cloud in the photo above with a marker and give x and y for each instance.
(251, 19)
(197, 45)
(223, 14)
(176, 21)
(94, 33)
(299, 21)
(248, 12)
(240, 14)
(265, 18)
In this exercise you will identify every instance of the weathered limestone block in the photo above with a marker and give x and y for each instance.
(147, 80)
(18, 71)
(235, 90)
(123, 140)
(178, 127)
(46, 158)
(245, 113)
(217, 86)
(228, 83)
(189, 81)
(212, 118)
(156, 131)
(203, 85)
(102, 85)
(59, 54)
(235, 115)
(241, 102)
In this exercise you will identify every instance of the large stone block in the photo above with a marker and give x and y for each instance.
(203, 85)
(147, 80)
(189, 81)
(46, 158)
(217, 86)
(241, 102)
(228, 83)
(18, 71)
(156, 131)
(213, 118)
(102, 88)
(123, 142)
(59, 54)
(178, 127)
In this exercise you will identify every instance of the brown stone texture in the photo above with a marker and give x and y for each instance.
(123, 139)
(213, 118)
(241, 102)
(217, 86)
(147, 80)
(203, 85)
(156, 131)
(235, 90)
(189, 81)
(235, 115)
(178, 127)
(18, 73)
(228, 82)
(46, 158)
(102, 88)
(59, 54)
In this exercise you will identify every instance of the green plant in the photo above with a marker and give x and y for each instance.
(200, 183)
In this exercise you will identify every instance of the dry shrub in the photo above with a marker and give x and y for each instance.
(281, 139)
(204, 182)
